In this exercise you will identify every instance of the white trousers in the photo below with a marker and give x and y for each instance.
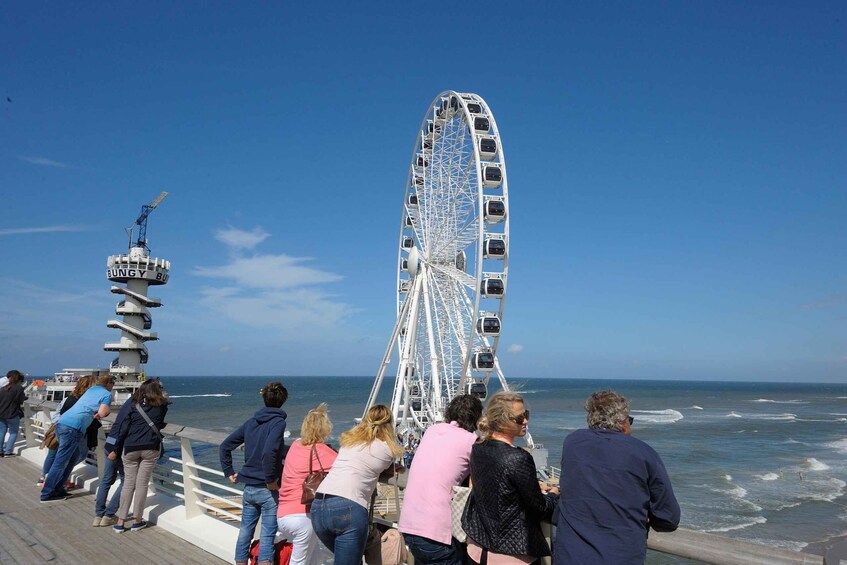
(297, 528)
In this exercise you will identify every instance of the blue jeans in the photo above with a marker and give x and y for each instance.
(13, 425)
(48, 461)
(427, 551)
(257, 502)
(111, 471)
(59, 472)
(342, 526)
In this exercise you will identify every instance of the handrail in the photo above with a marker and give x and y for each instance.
(182, 479)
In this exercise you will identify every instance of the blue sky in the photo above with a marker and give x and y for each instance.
(676, 171)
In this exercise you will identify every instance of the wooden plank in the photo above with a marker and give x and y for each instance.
(61, 532)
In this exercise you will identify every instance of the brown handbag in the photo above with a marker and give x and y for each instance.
(313, 479)
(50, 440)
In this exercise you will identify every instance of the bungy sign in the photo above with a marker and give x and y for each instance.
(146, 274)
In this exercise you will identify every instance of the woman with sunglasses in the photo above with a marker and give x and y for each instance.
(506, 505)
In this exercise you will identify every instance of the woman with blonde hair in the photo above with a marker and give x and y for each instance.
(339, 512)
(307, 453)
(506, 505)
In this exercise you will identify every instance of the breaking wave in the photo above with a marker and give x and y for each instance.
(657, 416)
(220, 394)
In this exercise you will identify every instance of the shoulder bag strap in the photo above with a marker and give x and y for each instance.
(148, 420)
(315, 455)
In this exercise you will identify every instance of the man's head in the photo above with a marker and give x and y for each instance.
(608, 410)
(465, 410)
(274, 394)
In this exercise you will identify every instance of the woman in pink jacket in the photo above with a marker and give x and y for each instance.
(292, 517)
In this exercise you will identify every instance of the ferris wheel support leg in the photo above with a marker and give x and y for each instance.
(410, 305)
(386, 359)
(435, 407)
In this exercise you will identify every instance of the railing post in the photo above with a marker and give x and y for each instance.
(29, 433)
(192, 510)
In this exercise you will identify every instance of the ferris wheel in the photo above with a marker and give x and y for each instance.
(452, 263)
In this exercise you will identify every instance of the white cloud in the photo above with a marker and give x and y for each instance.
(240, 239)
(44, 162)
(43, 229)
(515, 348)
(272, 292)
(268, 271)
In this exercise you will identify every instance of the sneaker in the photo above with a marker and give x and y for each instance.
(108, 521)
(70, 486)
(96, 522)
(40, 482)
(55, 498)
(138, 526)
(119, 528)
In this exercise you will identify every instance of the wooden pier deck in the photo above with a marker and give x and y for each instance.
(61, 532)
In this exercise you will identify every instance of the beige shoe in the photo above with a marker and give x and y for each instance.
(108, 521)
(96, 521)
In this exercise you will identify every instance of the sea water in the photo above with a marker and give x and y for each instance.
(758, 461)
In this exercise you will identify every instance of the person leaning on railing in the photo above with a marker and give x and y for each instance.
(95, 403)
(141, 438)
(441, 461)
(506, 505)
(616, 488)
(339, 512)
(307, 452)
(263, 437)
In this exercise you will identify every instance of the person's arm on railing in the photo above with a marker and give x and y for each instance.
(664, 513)
(232, 441)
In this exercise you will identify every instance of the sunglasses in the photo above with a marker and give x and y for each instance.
(631, 420)
(520, 419)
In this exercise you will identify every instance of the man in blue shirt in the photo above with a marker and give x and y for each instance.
(70, 429)
(614, 488)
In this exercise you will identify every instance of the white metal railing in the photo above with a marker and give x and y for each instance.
(204, 490)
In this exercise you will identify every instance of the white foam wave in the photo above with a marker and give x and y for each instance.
(695, 407)
(815, 465)
(657, 416)
(787, 417)
(767, 477)
(839, 445)
(755, 520)
(780, 401)
(737, 492)
(220, 395)
(728, 477)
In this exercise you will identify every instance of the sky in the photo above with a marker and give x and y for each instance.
(677, 191)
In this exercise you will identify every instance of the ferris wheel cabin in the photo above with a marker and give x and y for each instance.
(492, 288)
(477, 389)
(487, 148)
(481, 125)
(408, 242)
(492, 176)
(488, 325)
(482, 360)
(412, 200)
(494, 210)
(494, 248)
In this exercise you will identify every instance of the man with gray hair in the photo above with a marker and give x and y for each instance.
(614, 488)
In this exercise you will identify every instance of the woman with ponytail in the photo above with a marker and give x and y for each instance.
(339, 512)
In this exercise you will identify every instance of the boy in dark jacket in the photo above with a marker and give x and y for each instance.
(264, 449)
(114, 468)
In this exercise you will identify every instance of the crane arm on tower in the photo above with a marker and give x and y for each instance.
(141, 222)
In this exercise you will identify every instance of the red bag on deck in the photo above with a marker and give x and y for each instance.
(282, 553)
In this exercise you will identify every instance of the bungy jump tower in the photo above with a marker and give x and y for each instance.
(137, 270)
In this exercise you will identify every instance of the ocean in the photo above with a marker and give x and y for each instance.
(762, 462)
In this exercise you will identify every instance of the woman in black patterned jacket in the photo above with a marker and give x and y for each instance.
(504, 511)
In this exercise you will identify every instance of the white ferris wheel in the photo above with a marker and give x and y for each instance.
(452, 263)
